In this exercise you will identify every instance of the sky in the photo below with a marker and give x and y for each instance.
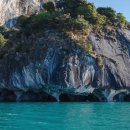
(122, 6)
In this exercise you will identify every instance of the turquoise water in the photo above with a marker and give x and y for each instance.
(64, 116)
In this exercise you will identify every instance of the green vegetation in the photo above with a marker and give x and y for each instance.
(41, 19)
(112, 16)
(99, 61)
(2, 40)
(100, 20)
(78, 24)
(88, 47)
(37, 22)
(76, 18)
(23, 20)
(72, 19)
(88, 10)
(80, 7)
(49, 6)
(68, 13)
(71, 6)
(108, 12)
(121, 19)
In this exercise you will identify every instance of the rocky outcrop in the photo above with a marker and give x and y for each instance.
(116, 55)
(55, 68)
(52, 66)
(10, 10)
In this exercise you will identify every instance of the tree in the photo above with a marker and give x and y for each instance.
(23, 20)
(88, 10)
(121, 19)
(109, 12)
(49, 6)
(71, 6)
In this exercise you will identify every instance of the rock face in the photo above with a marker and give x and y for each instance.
(116, 55)
(55, 68)
(10, 10)
(52, 67)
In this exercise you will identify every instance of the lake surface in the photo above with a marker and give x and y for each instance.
(64, 116)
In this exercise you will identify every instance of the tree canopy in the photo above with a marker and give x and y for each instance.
(109, 12)
(75, 8)
(121, 19)
(49, 6)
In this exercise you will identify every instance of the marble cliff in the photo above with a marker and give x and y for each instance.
(10, 10)
(54, 68)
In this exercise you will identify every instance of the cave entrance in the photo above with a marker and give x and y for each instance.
(119, 97)
(127, 98)
(123, 96)
(31, 96)
(7, 95)
(78, 98)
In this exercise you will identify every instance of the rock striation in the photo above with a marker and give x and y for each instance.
(10, 10)
(51, 66)
(56, 69)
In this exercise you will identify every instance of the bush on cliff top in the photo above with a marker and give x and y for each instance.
(121, 20)
(71, 6)
(96, 17)
(88, 10)
(67, 23)
(74, 15)
(109, 12)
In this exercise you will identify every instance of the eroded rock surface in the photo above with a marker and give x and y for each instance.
(10, 10)
(55, 68)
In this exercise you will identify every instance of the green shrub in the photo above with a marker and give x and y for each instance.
(65, 22)
(40, 21)
(41, 18)
(49, 6)
(100, 20)
(109, 12)
(71, 6)
(88, 10)
(23, 20)
(2, 40)
(89, 47)
(121, 19)
(99, 61)
(80, 24)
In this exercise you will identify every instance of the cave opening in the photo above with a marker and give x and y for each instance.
(127, 98)
(119, 97)
(78, 98)
(41, 96)
(122, 97)
(7, 95)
